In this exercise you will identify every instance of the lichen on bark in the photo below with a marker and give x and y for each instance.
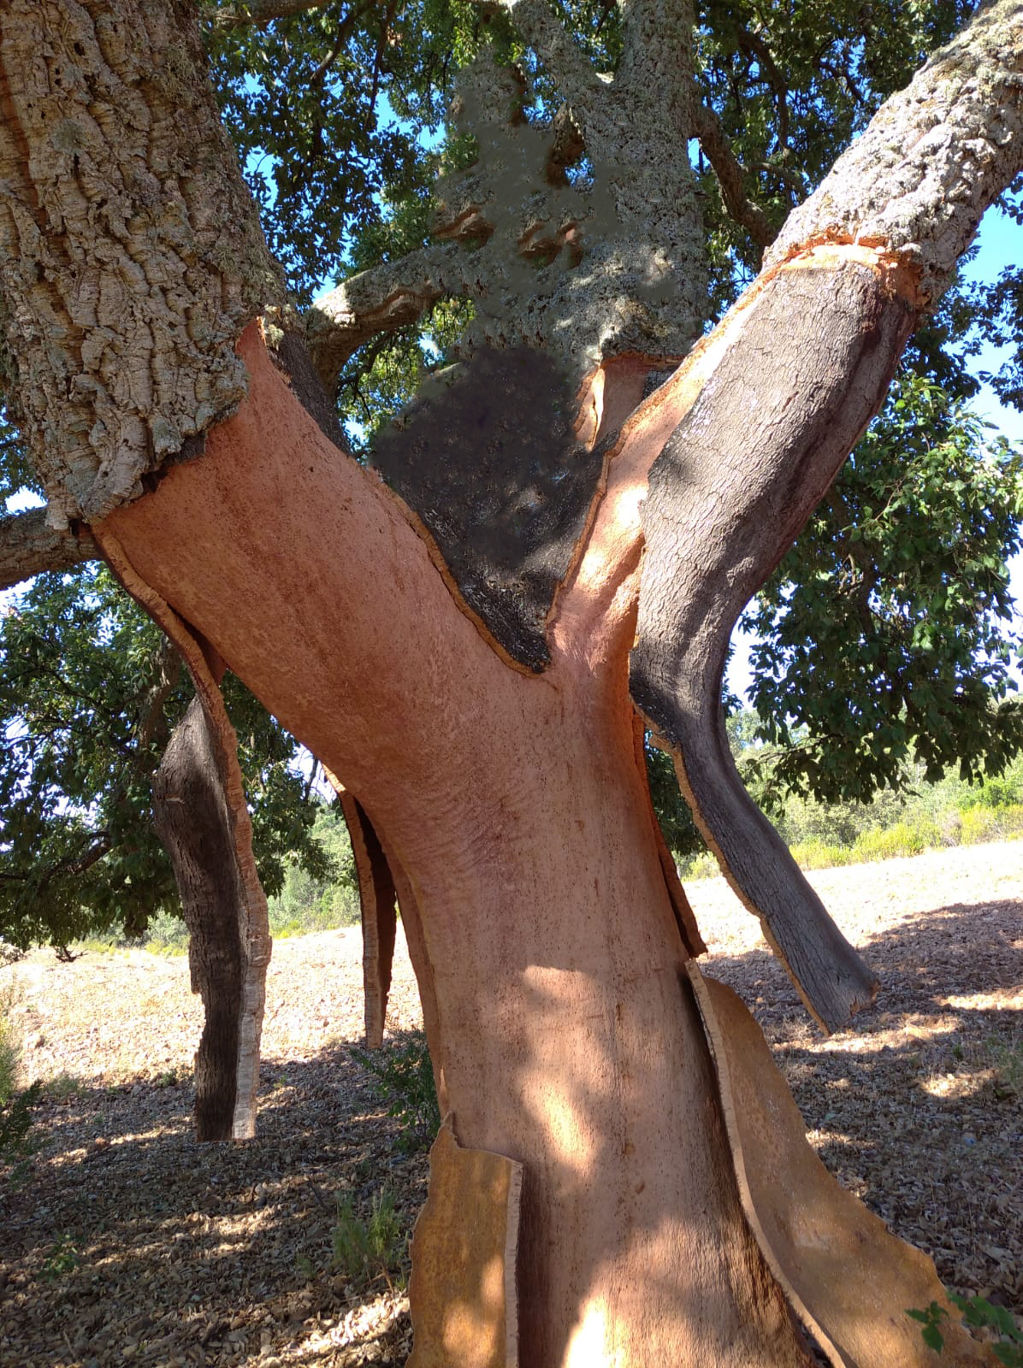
(932, 159)
(123, 296)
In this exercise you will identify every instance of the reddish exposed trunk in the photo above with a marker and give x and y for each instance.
(551, 942)
(547, 941)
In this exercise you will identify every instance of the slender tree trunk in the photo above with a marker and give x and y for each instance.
(193, 819)
(378, 907)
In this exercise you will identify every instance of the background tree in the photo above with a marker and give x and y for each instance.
(597, 532)
(91, 697)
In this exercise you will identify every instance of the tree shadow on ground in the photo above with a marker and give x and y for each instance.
(127, 1232)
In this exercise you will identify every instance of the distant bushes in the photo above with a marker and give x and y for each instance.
(15, 1104)
(307, 904)
(926, 817)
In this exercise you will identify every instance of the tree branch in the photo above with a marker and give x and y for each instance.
(383, 299)
(730, 176)
(562, 58)
(656, 66)
(931, 160)
(754, 46)
(28, 547)
(261, 11)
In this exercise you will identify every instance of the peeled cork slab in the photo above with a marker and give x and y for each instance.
(464, 1247)
(848, 1278)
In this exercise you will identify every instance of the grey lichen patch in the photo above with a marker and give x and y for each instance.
(613, 264)
(130, 252)
(933, 158)
(585, 272)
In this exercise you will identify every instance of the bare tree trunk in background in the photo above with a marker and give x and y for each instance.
(194, 822)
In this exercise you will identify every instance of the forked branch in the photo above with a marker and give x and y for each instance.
(730, 175)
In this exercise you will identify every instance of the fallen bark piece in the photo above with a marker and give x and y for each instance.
(462, 1288)
(848, 1278)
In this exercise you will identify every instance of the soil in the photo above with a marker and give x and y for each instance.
(124, 1241)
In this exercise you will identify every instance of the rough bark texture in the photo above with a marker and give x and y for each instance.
(109, 134)
(28, 546)
(192, 820)
(584, 274)
(934, 157)
(728, 493)
(549, 947)
(377, 901)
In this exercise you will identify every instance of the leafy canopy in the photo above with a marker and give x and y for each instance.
(89, 693)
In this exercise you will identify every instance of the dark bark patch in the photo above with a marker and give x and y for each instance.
(191, 818)
(732, 488)
(291, 356)
(488, 459)
(378, 903)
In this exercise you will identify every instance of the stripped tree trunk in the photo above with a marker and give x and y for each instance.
(464, 666)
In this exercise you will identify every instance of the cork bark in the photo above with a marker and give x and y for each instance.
(118, 355)
(28, 546)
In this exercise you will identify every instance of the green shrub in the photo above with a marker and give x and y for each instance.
(990, 822)
(405, 1078)
(1006, 1059)
(895, 841)
(816, 854)
(63, 1258)
(701, 866)
(980, 1315)
(372, 1247)
(166, 935)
